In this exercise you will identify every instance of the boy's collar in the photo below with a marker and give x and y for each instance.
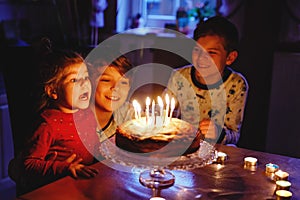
(226, 74)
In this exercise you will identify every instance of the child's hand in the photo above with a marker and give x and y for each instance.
(208, 128)
(76, 168)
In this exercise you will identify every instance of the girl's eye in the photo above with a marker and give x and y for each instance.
(74, 80)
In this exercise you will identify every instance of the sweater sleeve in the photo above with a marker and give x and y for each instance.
(234, 115)
(35, 160)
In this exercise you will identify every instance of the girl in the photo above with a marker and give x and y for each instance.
(65, 122)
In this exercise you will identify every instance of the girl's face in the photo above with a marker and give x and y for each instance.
(211, 59)
(75, 90)
(112, 90)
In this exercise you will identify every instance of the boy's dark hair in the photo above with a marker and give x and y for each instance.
(219, 26)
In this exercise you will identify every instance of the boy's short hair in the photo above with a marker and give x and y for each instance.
(220, 26)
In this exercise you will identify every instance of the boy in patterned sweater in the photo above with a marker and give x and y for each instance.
(210, 94)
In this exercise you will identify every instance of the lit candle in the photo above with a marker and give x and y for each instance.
(135, 103)
(139, 110)
(147, 109)
(221, 157)
(167, 107)
(250, 161)
(281, 175)
(283, 194)
(172, 107)
(283, 185)
(161, 105)
(153, 113)
(271, 168)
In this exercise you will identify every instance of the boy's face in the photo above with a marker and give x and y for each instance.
(75, 92)
(210, 64)
(112, 90)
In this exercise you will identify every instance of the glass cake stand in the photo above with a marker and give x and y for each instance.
(155, 172)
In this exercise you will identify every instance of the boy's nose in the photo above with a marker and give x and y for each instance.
(115, 86)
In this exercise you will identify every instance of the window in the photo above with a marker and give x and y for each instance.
(162, 8)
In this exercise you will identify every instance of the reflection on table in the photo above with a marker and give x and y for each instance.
(215, 181)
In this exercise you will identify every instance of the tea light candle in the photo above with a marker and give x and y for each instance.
(283, 194)
(281, 175)
(271, 168)
(283, 185)
(221, 157)
(250, 168)
(250, 161)
(157, 198)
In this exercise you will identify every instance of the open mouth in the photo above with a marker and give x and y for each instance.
(84, 96)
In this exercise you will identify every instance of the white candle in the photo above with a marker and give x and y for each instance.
(221, 157)
(147, 109)
(139, 110)
(172, 107)
(153, 113)
(250, 161)
(134, 103)
(161, 105)
(281, 175)
(167, 107)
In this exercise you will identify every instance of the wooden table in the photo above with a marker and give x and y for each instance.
(214, 181)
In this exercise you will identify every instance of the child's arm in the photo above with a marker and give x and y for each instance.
(35, 159)
(235, 113)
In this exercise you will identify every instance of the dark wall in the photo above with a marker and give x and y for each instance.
(261, 28)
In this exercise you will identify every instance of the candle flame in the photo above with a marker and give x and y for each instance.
(167, 99)
(135, 103)
(148, 101)
(160, 101)
(172, 103)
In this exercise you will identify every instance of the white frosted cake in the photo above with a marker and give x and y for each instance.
(176, 137)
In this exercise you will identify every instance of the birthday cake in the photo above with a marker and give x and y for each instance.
(175, 138)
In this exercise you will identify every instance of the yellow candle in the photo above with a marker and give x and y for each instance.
(283, 194)
(283, 185)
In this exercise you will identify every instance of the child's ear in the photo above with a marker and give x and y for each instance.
(51, 92)
(231, 57)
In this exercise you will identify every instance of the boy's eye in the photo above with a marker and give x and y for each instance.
(104, 80)
(212, 52)
(196, 50)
